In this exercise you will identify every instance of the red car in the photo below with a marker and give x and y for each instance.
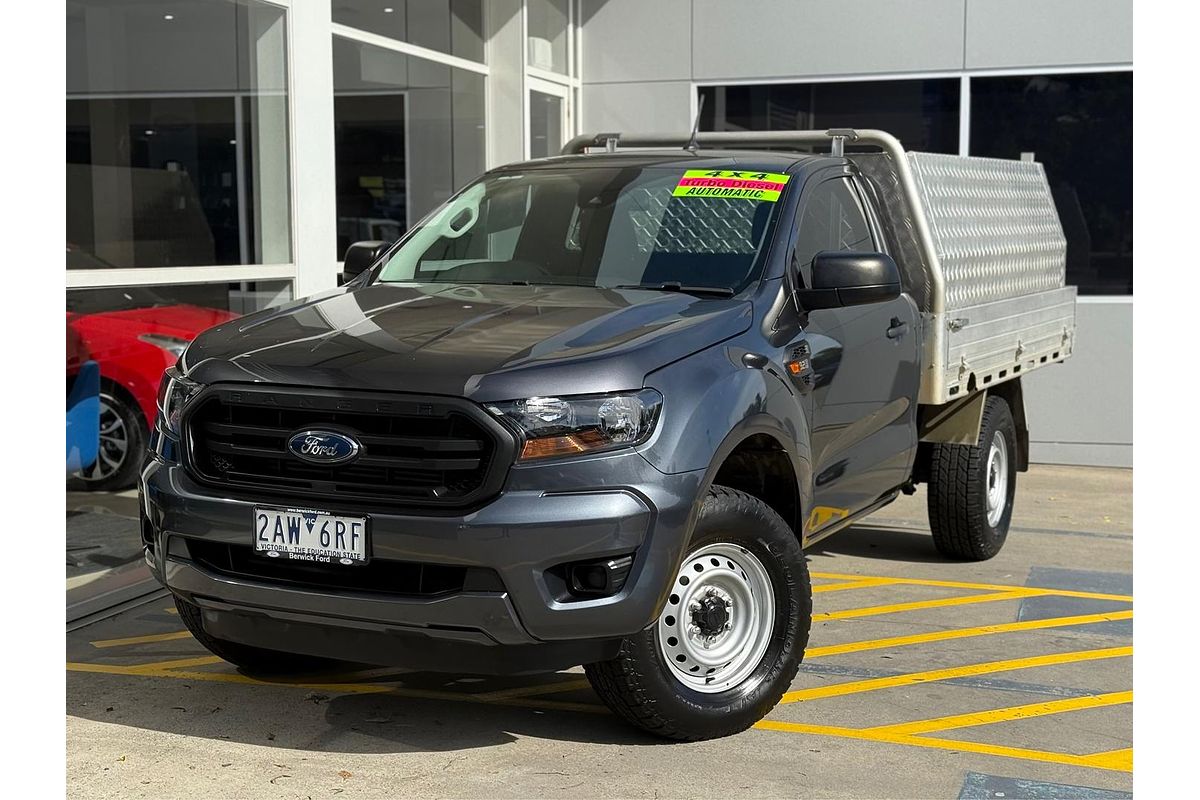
(134, 335)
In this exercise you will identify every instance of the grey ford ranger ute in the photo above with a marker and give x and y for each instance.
(588, 412)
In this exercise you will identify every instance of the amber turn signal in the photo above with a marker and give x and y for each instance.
(570, 444)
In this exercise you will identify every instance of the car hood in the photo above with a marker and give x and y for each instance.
(485, 342)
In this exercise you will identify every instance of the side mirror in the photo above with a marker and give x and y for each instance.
(843, 278)
(360, 257)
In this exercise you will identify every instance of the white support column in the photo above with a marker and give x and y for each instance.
(314, 180)
(270, 173)
(506, 116)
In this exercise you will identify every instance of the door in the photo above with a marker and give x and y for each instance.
(548, 118)
(864, 367)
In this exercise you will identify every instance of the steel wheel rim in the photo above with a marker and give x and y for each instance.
(732, 577)
(997, 479)
(114, 442)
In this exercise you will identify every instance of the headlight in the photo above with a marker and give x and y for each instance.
(172, 344)
(173, 394)
(561, 426)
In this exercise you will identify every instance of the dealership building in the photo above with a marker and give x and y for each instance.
(224, 153)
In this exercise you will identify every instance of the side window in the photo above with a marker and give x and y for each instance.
(832, 219)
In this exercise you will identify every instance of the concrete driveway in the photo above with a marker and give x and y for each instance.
(1010, 678)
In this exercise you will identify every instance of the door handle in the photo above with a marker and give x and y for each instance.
(897, 328)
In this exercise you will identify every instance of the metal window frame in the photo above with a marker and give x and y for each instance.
(395, 45)
(568, 87)
(158, 276)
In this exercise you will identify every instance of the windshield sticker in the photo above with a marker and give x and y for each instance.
(733, 184)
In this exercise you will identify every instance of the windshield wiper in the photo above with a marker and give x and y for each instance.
(676, 286)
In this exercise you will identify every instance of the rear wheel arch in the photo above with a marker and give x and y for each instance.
(960, 422)
(1014, 396)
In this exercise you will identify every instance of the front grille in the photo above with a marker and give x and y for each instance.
(378, 576)
(415, 451)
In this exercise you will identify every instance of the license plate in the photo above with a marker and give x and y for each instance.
(300, 534)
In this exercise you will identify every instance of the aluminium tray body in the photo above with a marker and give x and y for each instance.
(1003, 307)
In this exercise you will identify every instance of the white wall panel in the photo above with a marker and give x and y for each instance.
(1081, 411)
(1048, 33)
(782, 38)
(646, 107)
(637, 40)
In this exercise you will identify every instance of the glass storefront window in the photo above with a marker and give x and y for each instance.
(454, 27)
(921, 113)
(129, 335)
(547, 23)
(177, 135)
(408, 133)
(545, 124)
(1080, 127)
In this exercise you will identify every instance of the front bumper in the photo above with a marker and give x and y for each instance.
(601, 507)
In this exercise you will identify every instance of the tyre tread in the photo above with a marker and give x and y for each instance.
(621, 683)
(957, 518)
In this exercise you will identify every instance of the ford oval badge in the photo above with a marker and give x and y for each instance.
(323, 447)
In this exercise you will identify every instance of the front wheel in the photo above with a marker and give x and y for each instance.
(732, 635)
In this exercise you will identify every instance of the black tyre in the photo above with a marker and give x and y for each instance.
(123, 434)
(971, 488)
(253, 660)
(732, 635)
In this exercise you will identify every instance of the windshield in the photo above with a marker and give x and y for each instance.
(597, 226)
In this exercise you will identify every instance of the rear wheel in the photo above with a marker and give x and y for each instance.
(122, 444)
(732, 635)
(254, 660)
(971, 488)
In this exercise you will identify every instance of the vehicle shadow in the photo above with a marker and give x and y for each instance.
(882, 543)
(315, 715)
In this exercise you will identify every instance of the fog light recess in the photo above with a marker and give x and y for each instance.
(597, 578)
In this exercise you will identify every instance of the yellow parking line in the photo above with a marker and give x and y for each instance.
(941, 602)
(153, 637)
(963, 633)
(160, 671)
(107, 669)
(982, 586)
(179, 663)
(1120, 760)
(1111, 761)
(873, 684)
(1006, 714)
(865, 583)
